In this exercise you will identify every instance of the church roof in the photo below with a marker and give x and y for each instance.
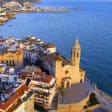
(52, 58)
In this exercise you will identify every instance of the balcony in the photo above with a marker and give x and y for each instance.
(43, 87)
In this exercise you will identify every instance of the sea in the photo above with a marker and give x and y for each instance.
(92, 25)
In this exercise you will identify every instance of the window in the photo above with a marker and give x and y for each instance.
(81, 81)
(66, 72)
(2, 61)
(67, 84)
(77, 55)
(13, 62)
(10, 62)
(15, 78)
(6, 62)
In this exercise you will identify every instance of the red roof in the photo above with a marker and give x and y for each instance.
(42, 77)
(19, 92)
(50, 45)
(23, 75)
(2, 40)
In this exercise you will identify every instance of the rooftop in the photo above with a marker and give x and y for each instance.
(50, 45)
(13, 70)
(77, 92)
(14, 95)
(41, 76)
(30, 69)
(14, 106)
(51, 59)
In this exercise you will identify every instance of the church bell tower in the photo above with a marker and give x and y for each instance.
(75, 54)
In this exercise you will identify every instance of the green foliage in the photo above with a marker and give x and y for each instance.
(85, 107)
(39, 108)
(28, 96)
(62, 93)
(92, 101)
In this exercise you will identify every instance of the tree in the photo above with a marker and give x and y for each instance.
(62, 93)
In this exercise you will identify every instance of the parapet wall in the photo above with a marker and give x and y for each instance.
(73, 107)
(91, 108)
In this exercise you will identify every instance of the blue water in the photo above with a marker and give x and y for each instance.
(93, 26)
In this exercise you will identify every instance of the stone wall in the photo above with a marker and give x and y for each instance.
(92, 108)
(73, 107)
(68, 71)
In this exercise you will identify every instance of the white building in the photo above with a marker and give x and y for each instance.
(3, 13)
(2, 43)
(17, 99)
(51, 48)
(44, 87)
(9, 75)
(11, 4)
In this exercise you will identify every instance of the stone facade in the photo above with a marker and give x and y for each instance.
(66, 74)
(12, 57)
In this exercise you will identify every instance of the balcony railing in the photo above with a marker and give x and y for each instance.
(43, 87)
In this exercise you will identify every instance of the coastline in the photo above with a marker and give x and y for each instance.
(18, 13)
(11, 14)
(10, 25)
(104, 99)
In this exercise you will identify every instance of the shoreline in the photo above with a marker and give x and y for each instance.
(104, 99)
(11, 14)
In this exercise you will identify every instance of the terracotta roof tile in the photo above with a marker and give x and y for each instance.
(19, 92)
(2, 41)
(50, 45)
(42, 77)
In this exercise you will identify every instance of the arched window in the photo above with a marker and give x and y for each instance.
(77, 55)
(6, 62)
(12, 62)
(2, 61)
(66, 72)
(81, 81)
(68, 84)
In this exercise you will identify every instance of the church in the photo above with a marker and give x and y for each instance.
(70, 73)
(66, 72)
